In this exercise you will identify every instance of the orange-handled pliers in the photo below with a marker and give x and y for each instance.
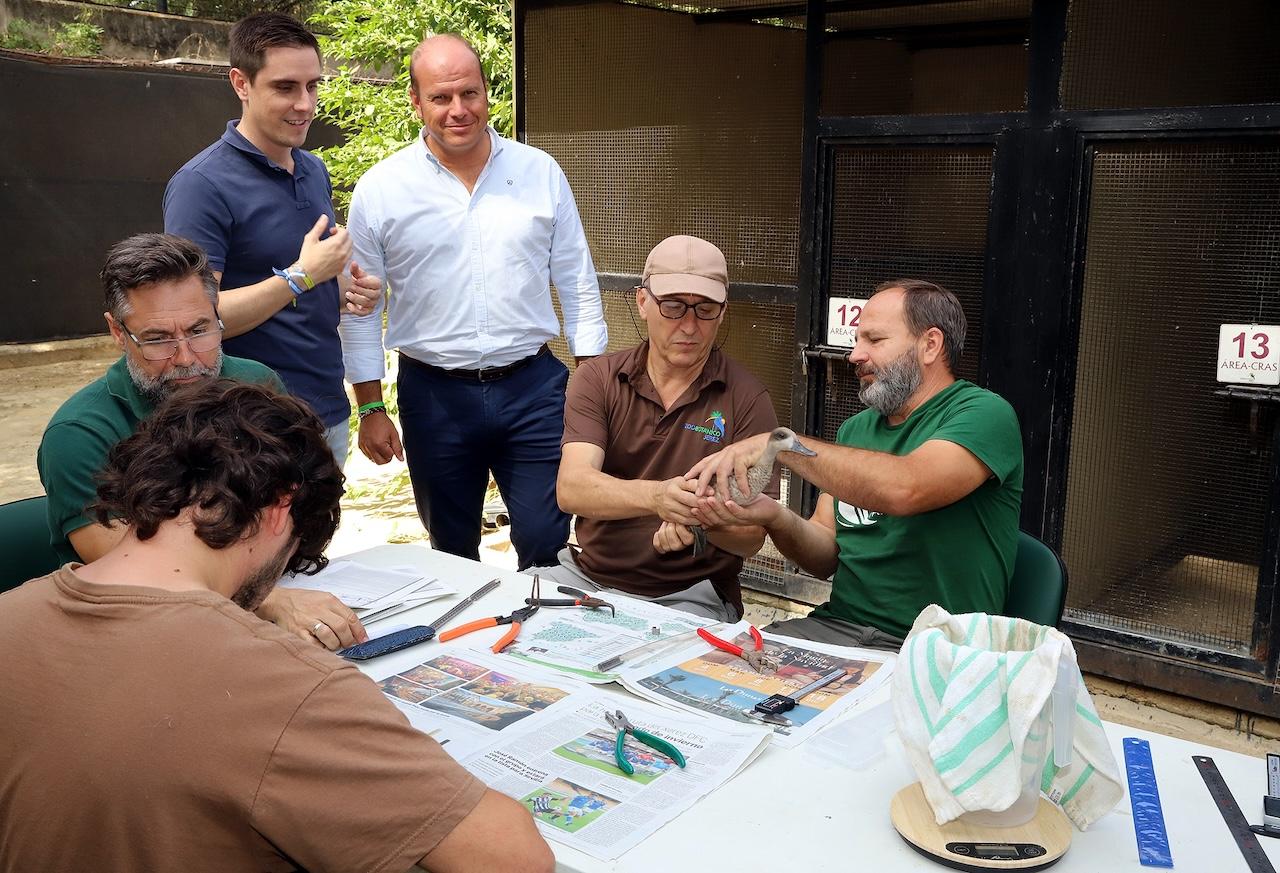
(514, 619)
(757, 659)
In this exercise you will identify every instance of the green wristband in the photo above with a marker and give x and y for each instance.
(370, 408)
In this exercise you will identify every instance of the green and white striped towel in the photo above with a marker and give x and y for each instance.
(971, 698)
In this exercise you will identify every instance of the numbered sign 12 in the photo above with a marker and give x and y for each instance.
(1249, 354)
(843, 315)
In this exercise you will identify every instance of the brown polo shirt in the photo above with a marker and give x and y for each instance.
(612, 403)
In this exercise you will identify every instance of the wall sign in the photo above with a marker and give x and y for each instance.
(843, 315)
(1249, 354)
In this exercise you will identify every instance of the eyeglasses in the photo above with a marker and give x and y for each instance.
(164, 349)
(669, 307)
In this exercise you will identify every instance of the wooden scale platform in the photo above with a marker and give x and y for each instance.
(1032, 846)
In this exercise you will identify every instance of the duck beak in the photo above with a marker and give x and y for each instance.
(801, 449)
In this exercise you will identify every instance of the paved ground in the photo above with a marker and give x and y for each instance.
(37, 379)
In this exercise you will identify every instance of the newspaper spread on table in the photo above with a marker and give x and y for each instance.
(700, 678)
(562, 767)
(577, 641)
(465, 699)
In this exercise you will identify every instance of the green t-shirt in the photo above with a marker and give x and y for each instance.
(83, 430)
(959, 556)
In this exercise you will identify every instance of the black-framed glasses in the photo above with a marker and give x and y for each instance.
(164, 349)
(670, 307)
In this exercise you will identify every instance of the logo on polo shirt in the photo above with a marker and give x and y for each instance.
(853, 516)
(713, 434)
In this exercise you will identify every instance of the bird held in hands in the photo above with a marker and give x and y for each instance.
(783, 439)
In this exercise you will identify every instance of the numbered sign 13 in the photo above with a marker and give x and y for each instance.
(1249, 354)
(843, 315)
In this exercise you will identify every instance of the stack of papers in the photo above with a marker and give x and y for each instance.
(374, 593)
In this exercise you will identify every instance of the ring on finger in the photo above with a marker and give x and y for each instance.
(315, 628)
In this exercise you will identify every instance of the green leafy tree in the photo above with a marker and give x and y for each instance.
(364, 36)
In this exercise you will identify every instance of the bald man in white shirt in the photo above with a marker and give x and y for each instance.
(470, 230)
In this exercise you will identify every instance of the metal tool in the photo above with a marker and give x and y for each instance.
(576, 598)
(1248, 844)
(516, 619)
(759, 661)
(771, 708)
(464, 603)
(650, 647)
(1270, 826)
(623, 726)
(1144, 798)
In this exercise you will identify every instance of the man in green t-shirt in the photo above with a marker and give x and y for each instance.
(160, 299)
(921, 490)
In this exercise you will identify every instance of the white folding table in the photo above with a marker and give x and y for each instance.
(794, 810)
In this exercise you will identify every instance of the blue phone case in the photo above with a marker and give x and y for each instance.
(402, 639)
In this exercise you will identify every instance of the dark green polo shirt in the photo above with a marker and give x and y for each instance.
(83, 430)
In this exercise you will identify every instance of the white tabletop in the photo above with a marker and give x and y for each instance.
(793, 810)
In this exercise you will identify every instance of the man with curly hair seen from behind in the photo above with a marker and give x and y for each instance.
(170, 728)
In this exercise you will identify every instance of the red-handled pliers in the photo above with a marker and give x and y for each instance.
(757, 659)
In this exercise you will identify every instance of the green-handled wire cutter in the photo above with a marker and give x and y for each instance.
(623, 726)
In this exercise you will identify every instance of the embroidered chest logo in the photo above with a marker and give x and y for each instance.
(714, 433)
(852, 516)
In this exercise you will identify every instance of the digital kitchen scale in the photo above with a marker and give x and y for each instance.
(963, 846)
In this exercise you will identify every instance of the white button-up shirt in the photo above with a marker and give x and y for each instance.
(470, 272)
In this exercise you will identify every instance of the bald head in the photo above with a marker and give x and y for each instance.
(444, 53)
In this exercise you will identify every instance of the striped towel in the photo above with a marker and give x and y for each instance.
(971, 698)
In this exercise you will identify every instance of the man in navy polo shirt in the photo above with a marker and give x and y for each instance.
(262, 208)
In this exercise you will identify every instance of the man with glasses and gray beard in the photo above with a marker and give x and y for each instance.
(160, 298)
(921, 490)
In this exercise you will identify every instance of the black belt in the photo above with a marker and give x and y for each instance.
(492, 374)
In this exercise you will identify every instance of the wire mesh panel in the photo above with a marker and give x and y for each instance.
(1167, 481)
(665, 126)
(907, 212)
(929, 58)
(1142, 53)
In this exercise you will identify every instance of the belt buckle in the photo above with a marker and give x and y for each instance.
(490, 375)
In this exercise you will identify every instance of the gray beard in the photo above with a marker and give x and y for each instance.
(894, 384)
(156, 388)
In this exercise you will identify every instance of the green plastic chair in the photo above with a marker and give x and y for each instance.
(25, 552)
(1038, 589)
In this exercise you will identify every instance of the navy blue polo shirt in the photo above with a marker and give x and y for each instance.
(250, 215)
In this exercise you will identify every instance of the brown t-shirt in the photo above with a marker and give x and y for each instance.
(612, 403)
(154, 730)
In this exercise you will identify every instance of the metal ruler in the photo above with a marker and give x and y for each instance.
(1249, 847)
(464, 603)
(1144, 798)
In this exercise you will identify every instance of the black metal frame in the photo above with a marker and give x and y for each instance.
(1036, 224)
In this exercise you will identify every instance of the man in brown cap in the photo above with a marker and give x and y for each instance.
(636, 420)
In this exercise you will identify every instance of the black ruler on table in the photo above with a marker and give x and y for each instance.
(1249, 846)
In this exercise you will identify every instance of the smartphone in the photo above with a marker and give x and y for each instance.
(393, 642)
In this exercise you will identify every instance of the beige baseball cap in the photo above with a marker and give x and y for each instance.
(686, 265)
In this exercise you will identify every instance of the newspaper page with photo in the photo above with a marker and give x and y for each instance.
(580, 641)
(700, 678)
(465, 699)
(563, 768)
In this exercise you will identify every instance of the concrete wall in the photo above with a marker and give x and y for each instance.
(129, 33)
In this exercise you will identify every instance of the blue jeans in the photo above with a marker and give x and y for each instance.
(455, 431)
(339, 439)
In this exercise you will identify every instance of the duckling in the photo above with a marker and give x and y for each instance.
(782, 439)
